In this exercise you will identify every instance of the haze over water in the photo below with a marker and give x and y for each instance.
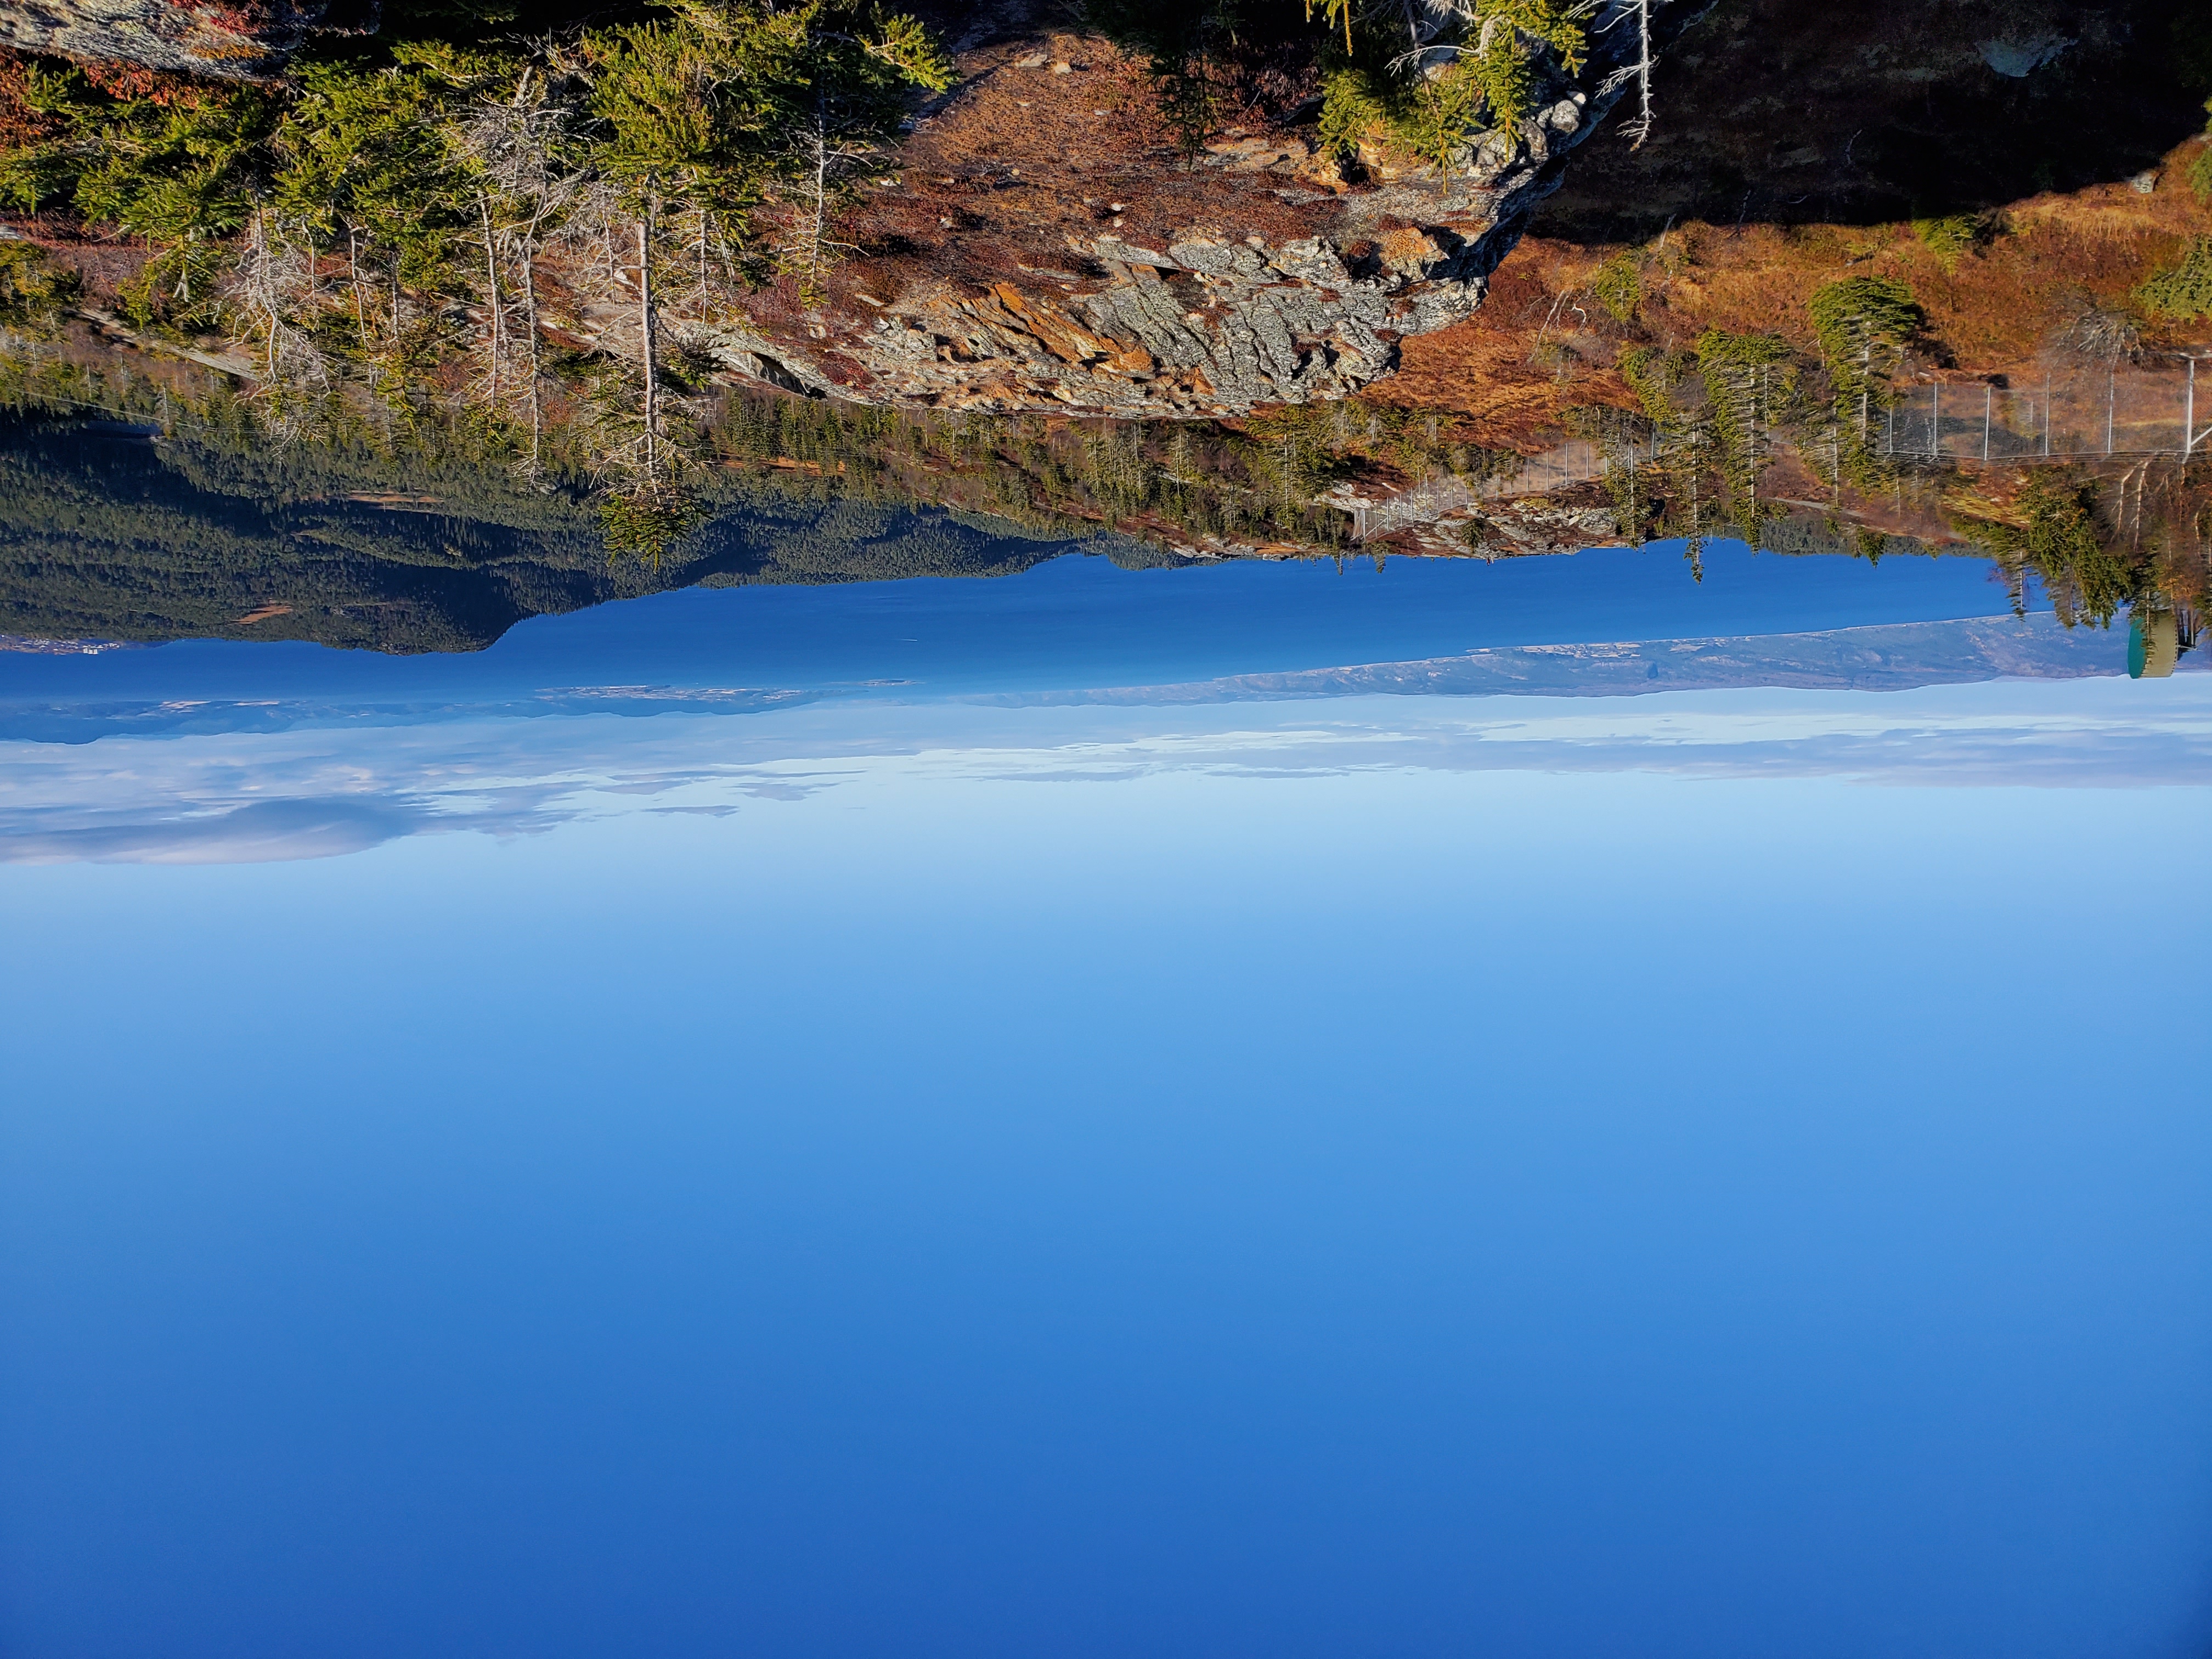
(1098, 1112)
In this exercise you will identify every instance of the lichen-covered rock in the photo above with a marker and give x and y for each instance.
(237, 40)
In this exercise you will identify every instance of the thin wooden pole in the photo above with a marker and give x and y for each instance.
(497, 306)
(529, 322)
(1989, 396)
(353, 276)
(2188, 416)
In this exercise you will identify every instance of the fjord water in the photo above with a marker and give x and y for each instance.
(1074, 621)
(1717, 1173)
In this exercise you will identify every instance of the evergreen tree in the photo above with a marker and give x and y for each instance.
(1863, 324)
(1749, 380)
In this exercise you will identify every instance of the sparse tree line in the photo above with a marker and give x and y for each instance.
(537, 237)
(537, 240)
(1689, 456)
(1692, 457)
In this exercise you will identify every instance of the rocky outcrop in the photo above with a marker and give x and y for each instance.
(1201, 322)
(1203, 325)
(225, 39)
(1197, 327)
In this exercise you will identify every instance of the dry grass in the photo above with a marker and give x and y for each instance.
(1022, 162)
(1542, 344)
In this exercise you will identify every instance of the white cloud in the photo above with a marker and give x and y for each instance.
(318, 793)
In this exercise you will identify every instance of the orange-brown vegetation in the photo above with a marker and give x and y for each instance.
(19, 124)
(1048, 140)
(1543, 341)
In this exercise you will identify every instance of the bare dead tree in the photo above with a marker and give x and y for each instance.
(353, 283)
(1639, 127)
(513, 145)
(825, 159)
(631, 421)
(2101, 334)
(273, 282)
(709, 265)
(494, 302)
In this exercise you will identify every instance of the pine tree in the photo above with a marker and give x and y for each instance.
(1863, 324)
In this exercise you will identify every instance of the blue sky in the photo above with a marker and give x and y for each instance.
(1720, 1174)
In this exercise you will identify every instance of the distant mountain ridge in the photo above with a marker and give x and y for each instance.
(1890, 657)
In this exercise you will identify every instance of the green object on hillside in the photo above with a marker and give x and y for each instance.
(2184, 293)
(1482, 70)
(1618, 285)
(1863, 324)
(1949, 239)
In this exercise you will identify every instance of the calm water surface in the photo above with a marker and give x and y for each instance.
(947, 1164)
(1073, 623)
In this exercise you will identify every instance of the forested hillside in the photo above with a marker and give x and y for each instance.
(1493, 277)
(116, 532)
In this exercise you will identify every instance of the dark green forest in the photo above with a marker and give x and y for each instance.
(112, 531)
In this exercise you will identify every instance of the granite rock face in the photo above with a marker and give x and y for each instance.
(220, 38)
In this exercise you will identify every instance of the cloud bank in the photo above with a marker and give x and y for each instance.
(240, 797)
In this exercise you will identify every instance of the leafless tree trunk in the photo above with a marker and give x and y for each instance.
(646, 343)
(353, 279)
(1866, 384)
(272, 284)
(525, 196)
(530, 326)
(821, 141)
(1639, 127)
(822, 162)
(704, 310)
(494, 299)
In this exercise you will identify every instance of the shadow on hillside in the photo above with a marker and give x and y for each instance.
(1866, 112)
